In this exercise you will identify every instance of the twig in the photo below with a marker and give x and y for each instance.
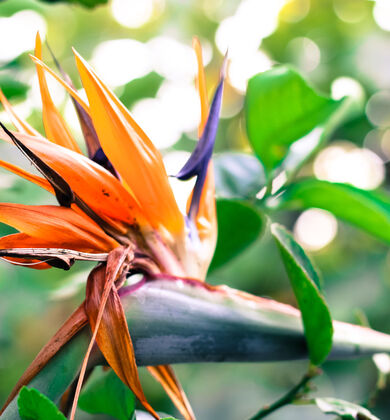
(289, 397)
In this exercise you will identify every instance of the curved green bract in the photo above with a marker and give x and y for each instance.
(367, 210)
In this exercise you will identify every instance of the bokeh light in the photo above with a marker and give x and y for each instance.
(350, 11)
(315, 229)
(378, 109)
(347, 86)
(175, 60)
(174, 110)
(244, 31)
(241, 69)
(135, 13)
(295, 10)
(17, 33)
(304, 53)
(344, 162)
(121, 60)
(382, 14)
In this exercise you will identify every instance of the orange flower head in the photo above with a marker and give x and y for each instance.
(116, 205)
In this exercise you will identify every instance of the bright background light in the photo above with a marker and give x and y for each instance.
(17, 33)
(136, 13)
(344, 162)
(121, 60)
(315, 229)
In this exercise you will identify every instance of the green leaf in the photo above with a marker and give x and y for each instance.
(143, 87)
(239, 225)
(238, 175)
(344, 409)
(367, 210)
(33, 405)
(105, 393)
(281, 107)
(86, 3)
(12, 88)
(316, 318)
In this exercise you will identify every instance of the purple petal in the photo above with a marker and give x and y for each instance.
(199, 160)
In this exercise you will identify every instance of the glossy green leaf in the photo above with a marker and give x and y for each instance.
(344, 409)
(281, 107)
(238, 175)
(316, 318)
(367, 210)
(33, 405)
(239, 225)
(105, 393)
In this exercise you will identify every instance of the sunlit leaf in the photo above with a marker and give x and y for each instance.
(105, 393)
(316, 318)
(35, 406)
(281, 107)
(239, 225)
(367, 210)
(237, 175)
(344, 409)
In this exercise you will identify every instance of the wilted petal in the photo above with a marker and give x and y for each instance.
(112, 335)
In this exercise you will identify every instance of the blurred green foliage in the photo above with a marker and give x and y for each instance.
(324, 40)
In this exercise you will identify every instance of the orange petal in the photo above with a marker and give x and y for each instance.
(20, 124)
(38, 180)
(131, 152)
(168, 380)
(64, 227)
(113, 336)
(71, 326)
(98, 188)
(62, 82)
(55, 127)
(201, 85)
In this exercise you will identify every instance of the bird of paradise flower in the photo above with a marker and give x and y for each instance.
(116, 207)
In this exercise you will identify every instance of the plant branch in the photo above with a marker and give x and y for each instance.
(289, 397)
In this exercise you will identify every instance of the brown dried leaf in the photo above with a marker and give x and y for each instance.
(112, 334)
